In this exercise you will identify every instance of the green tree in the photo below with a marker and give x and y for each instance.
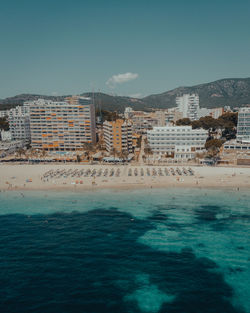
(20, 152)
(124, 154)
(113, 152)
(89, 147)
(196, 124)
(209, 123)
(109, 116)
(148, 151)
(228, 120)
(4, 124)
(78, 158)
(213, 144)
(229, 133)
(43, 152)
(183, 122)
(138, 144)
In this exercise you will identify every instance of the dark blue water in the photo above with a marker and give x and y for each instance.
(109, 260)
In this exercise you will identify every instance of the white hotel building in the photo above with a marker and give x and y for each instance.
(188, 105)
(20, 127)
(19, 121)
(182, 142)
(4, 113)
(243, 126)
(242, 143)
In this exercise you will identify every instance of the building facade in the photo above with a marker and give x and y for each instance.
(128, 112)
(243, 126)
(19, 121)
(188, 105)
(4, 113)
(216, 112)
(20, 127)
(143, 121)
(20, 110)
(178, 141)
(62, 126)
(9, 147)
(5, 135)
(118, 135)
(167, 117)
(202, 112)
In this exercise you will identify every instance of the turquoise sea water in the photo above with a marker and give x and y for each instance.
(174, 250)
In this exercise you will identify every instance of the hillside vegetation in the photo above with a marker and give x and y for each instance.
(232, 91)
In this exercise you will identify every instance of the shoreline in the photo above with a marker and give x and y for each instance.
(27, 177)
(127, 188)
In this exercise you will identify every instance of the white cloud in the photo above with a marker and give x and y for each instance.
(120, 79)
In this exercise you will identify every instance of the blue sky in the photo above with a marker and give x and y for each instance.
(69, 47)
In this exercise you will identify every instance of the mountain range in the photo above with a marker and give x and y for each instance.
(234, 92)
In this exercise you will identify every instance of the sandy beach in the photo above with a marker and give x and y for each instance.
(78, 177)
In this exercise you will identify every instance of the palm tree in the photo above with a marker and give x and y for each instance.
(20, 152)
(78, 158)
(32, 152)
(113, 152)
(87, 154)
(147, 151)
(89, 149)
(125, 155)
(43, 153)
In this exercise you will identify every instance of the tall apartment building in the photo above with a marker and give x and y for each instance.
(118, 135)
(202, 112)
(217, 112)
(143, 121)
(167, 117)
(19, 122)
(20, 127)
(4, 113)
(128, 112)
(88, 106)
(20, 110)
(5, 135)
(180, 141)
(243, 126)
(188, 104)
(62, 126)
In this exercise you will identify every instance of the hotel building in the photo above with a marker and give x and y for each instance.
(142, 121)
(20, 127)
(118, 135)
(19, 121)
(20, 110)
(243, 126)
(5, 135)
(178, 141)
(168, 116)
(4, 113)
(188, 105)
(62, 126)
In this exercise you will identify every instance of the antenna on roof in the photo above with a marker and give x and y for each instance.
(93, 96)
(99, 105)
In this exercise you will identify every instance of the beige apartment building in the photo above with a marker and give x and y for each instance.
(118, 135)
(62, 126)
